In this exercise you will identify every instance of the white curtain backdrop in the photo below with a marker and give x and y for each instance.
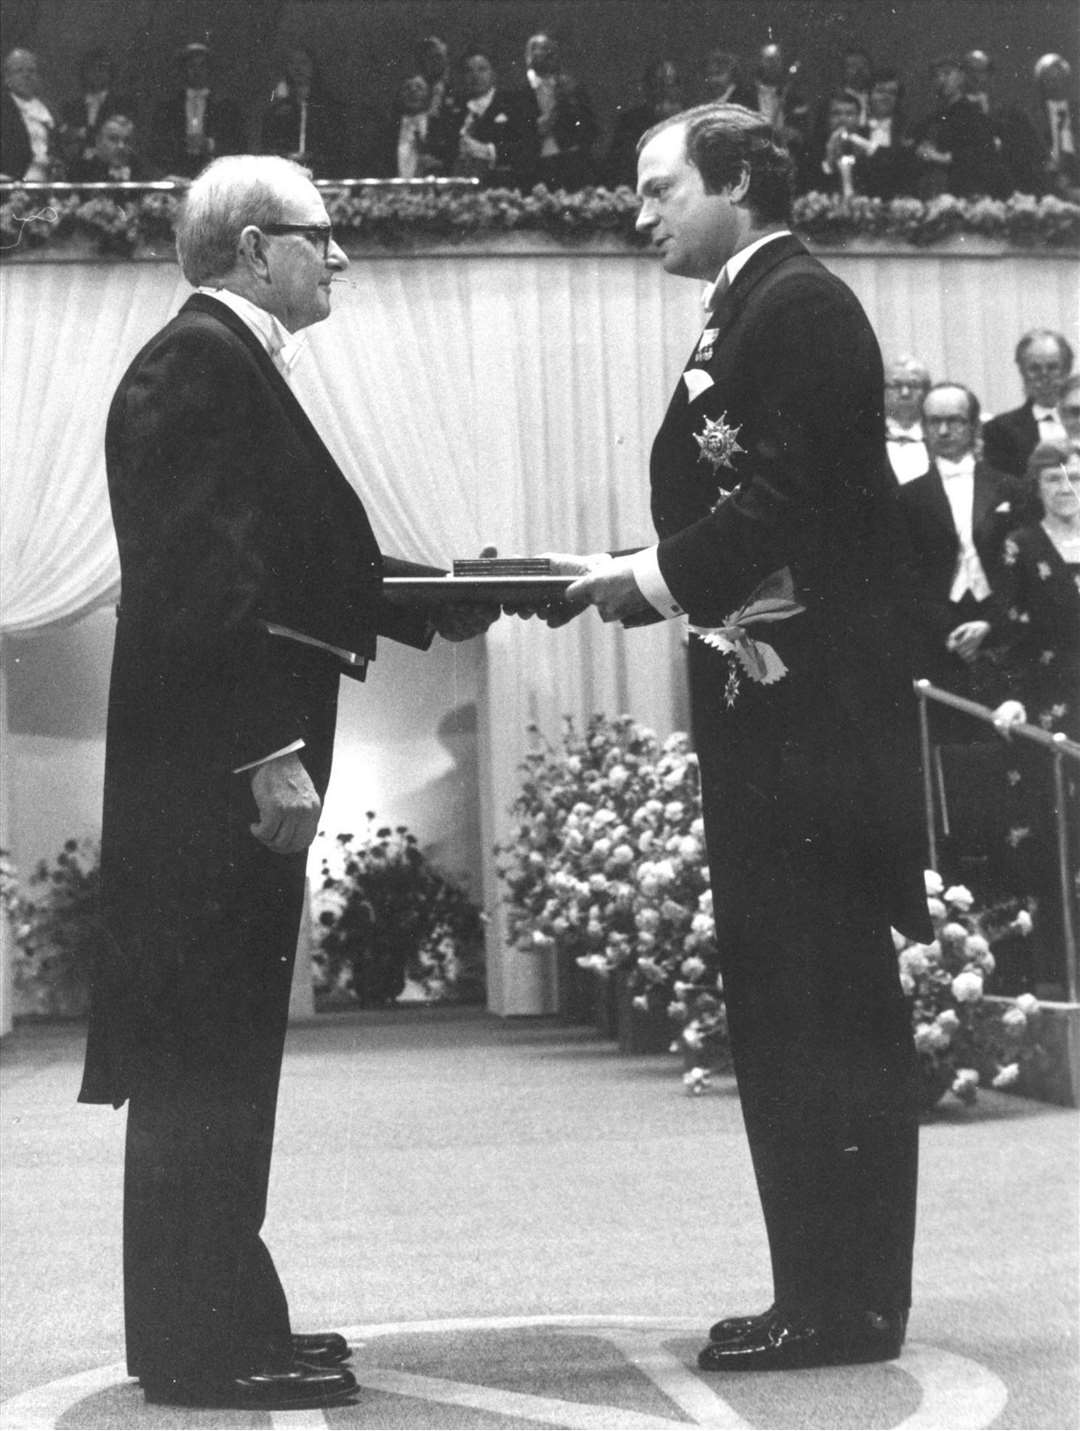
(497, 397)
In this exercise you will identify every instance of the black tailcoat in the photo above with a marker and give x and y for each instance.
(810, 784)
(231, 519)
(1010, 438)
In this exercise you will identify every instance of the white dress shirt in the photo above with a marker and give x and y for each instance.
(1051, 428)
(644, 564)
(412, 132)
(544, 88)
(958, 479)
(907, 450)
(195, 112)
(39, 127)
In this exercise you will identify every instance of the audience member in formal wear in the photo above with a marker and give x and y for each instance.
(884, 159)
(251, 582)
(115, 157)
(1044, 359)
(856, 76)
(955, 142)
(907, 381)
(780, 100)
(27, 126)
(828, 163)
(663, 96)
(1041, 592)
(1068, 406)
(1017, 143)
(431, 58)
(302, 122)
(195, 124)
(83, 115)
(562, 115)
(769, 478)
(496, 142)
(958, 514)
(415, 145)
(722, 81)
(1058, 126)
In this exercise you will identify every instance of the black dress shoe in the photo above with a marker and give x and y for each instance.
(294, 1388)
(733, 1329)
(784, 1345)
(320, 1348)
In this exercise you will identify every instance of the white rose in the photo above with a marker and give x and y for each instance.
(965, 1084)
(967, 987)
(935, 909)
(618, 775)
(934, 883)
(954, 933)
(1006, 1076)
(948, 1019)
(960, 896)
(1015, 1020)
(1023, 923)
(641, 1002)
(1028, 1004)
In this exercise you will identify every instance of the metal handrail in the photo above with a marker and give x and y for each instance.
(1060, 749)
(438, 183)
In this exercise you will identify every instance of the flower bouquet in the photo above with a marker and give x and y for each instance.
(393, 926)
(606, 868)
(960, 1042)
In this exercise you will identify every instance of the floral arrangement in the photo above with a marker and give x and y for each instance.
(393, 216)
(607, 865)
(57, 928)
(392, 923)
(958, 1040)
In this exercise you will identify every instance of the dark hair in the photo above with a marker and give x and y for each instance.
(1048, 454)
(974, 409)
(1030, 337)
(724, 139)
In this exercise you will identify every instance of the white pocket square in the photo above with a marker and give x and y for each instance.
(501, 119)
(696, 382)
(1003, 507)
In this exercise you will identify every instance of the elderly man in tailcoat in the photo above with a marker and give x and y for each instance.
(251, 580)
(779, 538)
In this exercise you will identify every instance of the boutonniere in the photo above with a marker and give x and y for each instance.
(773, 600)
(718, 444)
(1043, 569)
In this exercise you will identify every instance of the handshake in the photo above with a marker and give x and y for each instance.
(554, 587)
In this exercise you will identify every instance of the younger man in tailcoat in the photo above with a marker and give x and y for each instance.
(779, 538)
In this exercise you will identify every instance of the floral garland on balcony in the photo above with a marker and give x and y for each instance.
(386, 217)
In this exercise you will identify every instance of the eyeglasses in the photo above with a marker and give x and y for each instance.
(318, 234)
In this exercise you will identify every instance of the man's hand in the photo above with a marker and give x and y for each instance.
(462, 620)
(1008, 714)
(966, 639)
(558, 611)
(611, 588)
(288, 802)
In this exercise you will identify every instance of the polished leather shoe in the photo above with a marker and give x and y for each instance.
(787, 1345)
(292, 1388)
(733, 1329)
(320, 1348)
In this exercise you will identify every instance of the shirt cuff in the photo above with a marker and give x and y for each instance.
(285, 750)
(653, 587)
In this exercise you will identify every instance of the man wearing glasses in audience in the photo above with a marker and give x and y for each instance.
(907, 382)
(251, 580)
(1045, 360)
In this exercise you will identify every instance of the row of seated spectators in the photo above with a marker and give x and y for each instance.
(457, 120)
(992, 511)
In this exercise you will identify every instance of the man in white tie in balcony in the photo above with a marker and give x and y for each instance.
(958, 514)
(1045, 360)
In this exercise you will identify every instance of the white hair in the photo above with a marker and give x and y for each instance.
(230, 194)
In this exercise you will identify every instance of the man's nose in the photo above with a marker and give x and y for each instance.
(647, 215)
(336, 256)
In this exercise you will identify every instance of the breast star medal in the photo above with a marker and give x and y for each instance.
(718, 444)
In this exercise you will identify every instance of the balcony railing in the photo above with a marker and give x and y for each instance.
(1058, 749)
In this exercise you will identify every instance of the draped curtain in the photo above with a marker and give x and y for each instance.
(505, 398)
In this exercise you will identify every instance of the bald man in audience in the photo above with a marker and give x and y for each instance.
(1044, 359)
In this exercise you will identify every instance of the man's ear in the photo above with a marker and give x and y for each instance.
(740, 188)
(251, 252)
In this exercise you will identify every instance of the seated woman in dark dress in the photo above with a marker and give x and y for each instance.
(1042, 601)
